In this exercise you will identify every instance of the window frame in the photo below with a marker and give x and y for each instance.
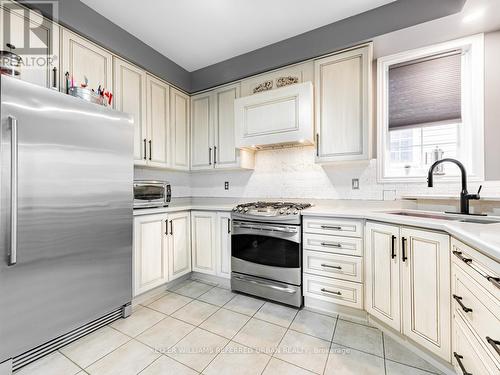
(472, 105)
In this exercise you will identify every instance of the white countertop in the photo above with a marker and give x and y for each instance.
(484, 237)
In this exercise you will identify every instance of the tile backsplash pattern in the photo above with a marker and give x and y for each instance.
(292, 173)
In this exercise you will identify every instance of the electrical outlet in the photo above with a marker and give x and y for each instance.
(355, 184)
(226, 185)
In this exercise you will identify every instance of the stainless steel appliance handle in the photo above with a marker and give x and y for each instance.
(13, 192)
(329, 244)
(330, 266)
(330, 291)
(267, 285)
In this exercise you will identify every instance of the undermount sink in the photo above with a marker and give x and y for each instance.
(449, 217)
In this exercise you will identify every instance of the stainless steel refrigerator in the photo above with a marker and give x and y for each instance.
(66, 219)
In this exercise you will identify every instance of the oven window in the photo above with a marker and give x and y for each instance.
(266, 250)
(149, 192)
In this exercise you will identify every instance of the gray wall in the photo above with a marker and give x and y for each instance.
(77, 16)
(492, 105)
(326, 39)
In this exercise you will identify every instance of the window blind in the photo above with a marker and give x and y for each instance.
(424, 92)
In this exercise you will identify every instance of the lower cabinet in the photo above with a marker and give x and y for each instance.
(211, 242)
(162, 249)
(408, 283)
(179, 244)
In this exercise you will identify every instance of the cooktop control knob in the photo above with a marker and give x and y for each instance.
(245, 209)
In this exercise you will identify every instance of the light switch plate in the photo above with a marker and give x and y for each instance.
(355, 184)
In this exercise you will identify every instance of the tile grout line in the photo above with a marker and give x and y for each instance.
(383, 352)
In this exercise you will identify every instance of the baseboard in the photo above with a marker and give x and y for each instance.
(423, 353)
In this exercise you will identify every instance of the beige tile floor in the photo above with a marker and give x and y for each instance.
(201, 328)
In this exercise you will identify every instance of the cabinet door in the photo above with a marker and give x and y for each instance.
(150, 252)
(157, 98)
(425, 259)
(382, 273)
(179, 244)
(82, 58)
(36, 40)
(226, 154)
(342, 84)
(179, 124)
(202, 131)
(203, 226)
(224, 244)
(130, 97)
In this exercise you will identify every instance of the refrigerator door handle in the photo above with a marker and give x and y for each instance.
(13, 192)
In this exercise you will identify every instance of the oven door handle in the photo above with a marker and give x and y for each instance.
(267, 285)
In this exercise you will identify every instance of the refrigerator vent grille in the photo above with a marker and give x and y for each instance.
(57, 343)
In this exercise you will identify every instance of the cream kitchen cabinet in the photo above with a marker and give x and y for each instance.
(343, 105)
(223, 244)
(179, 130)
(418, 262)
(211, 242)
(35, 39)
(179, 244)
(130, 97)
(156, 141)
(151, 268)
(382, 271)
(204, 241)
(82, 58)
(213, 131)
(162, 249)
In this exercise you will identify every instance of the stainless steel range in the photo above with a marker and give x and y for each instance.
(266, 250)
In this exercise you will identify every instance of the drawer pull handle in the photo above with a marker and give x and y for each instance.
(336, 227)
(494, 280)
(459, 255)
(459, 301)
(460, 364)
(494, 343)
(330, 291)
(329, 266)
(403, 250)
(329, 244)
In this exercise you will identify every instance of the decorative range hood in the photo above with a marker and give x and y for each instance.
(275, 118)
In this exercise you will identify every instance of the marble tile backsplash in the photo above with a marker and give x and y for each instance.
(292, 173)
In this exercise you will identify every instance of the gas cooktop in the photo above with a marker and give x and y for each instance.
(265, 211)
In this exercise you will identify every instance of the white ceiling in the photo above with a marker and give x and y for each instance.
(198, 33)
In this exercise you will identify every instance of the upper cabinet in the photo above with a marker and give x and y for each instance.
(179, 129)
(82, 58)
(156, 141)
(130, 97)
(36, 41)
(213, 131)
(343, 105)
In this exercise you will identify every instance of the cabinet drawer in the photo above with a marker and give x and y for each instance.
(342, 267)
(469, 351)
(485, 315)
(332, 226)
(333, 244)
(340, 292)
(484, 270)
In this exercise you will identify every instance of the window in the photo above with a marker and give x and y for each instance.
(430, 105)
